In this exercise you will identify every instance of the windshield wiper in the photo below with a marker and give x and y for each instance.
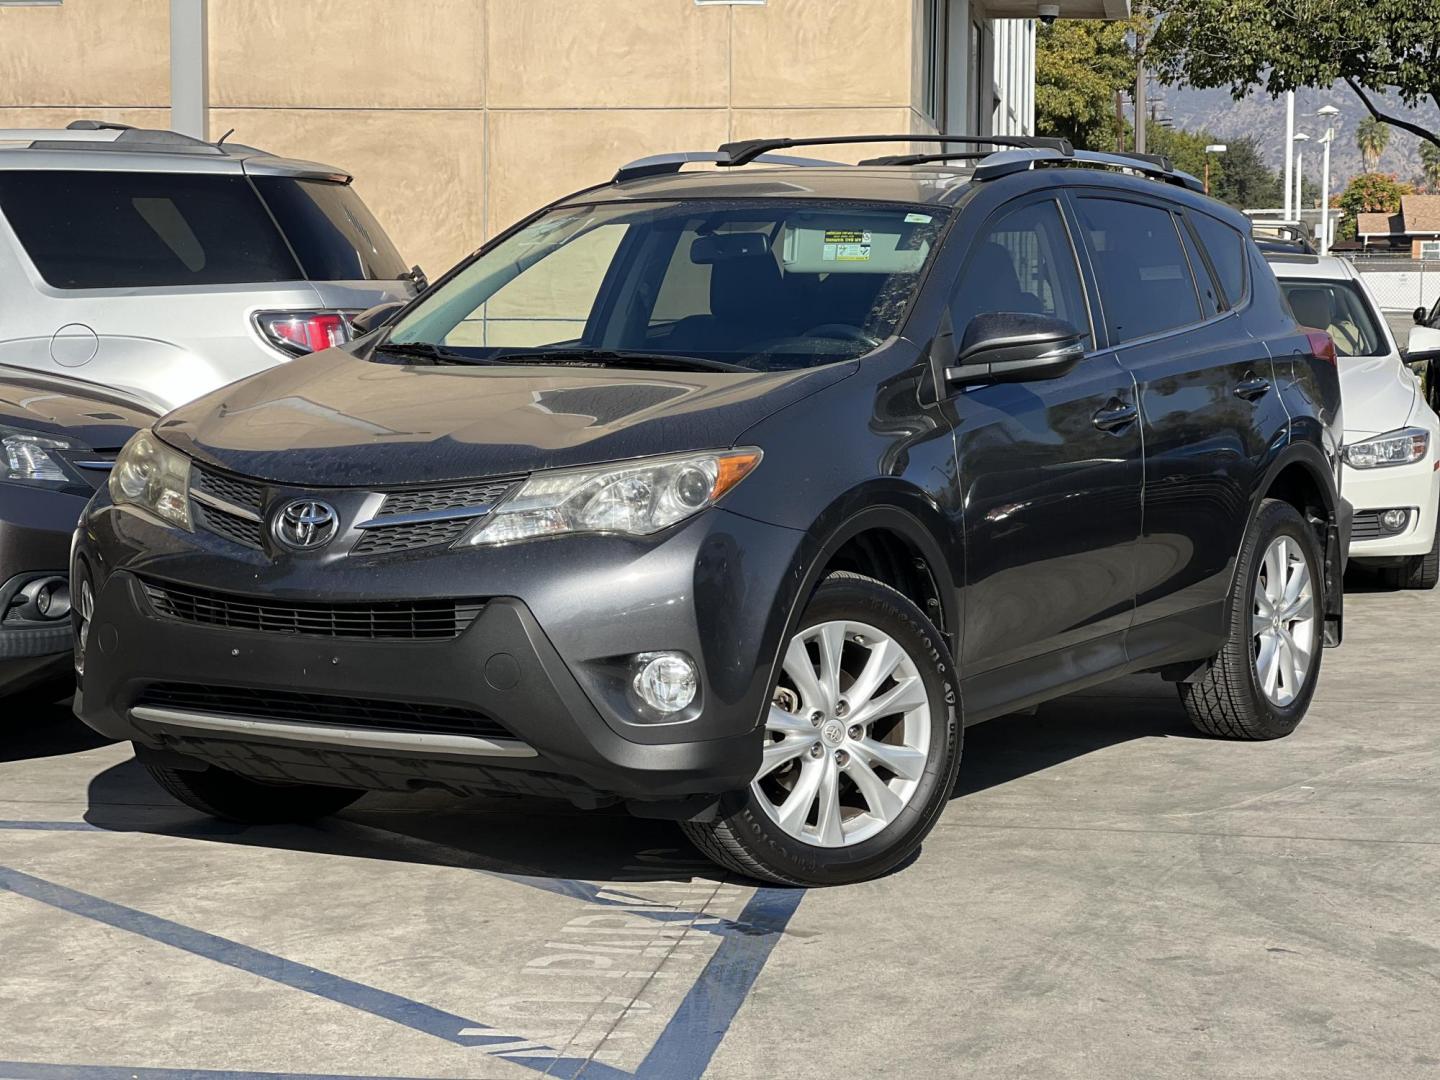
(617, 358)
(423, 350)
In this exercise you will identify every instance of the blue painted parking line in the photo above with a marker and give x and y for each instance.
(50, 826)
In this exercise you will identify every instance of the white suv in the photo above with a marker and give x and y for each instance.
(1390, 465)
(166, 267)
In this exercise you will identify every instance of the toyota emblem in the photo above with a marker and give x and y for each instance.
(305, 524)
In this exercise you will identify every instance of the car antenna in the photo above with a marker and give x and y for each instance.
(221, 141)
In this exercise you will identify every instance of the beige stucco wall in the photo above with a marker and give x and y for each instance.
(458, 116)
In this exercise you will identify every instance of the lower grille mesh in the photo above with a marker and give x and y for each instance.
(382, 620)
(290, 707)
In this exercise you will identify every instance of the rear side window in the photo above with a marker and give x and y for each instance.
(1337, 308)
(1226, 248)
(1145, 282)
(334, 235)
(99, 230)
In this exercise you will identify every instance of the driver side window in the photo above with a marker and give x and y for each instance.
(1023, 262)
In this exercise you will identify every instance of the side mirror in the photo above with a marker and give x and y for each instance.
(1014, 346)
(370, 318)
(1424, 344)
(418, 277)
(1421, 314)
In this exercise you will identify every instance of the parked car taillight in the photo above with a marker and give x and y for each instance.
(300, 332)
(1322, 346)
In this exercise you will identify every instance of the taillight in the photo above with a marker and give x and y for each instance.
(1322, 346)
(300, 332)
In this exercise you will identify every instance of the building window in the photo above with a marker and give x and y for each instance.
(1430, 249)
(935, 14)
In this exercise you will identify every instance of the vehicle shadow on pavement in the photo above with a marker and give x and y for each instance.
(38, 726)
(511, 836)
(1010, 747)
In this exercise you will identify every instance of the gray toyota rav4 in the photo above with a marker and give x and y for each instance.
(731, 495)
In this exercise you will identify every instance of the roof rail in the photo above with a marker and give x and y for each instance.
(1151, 165)
(662, 164)
(747, 150)
(1006, 162)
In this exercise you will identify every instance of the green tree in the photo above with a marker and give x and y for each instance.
(1430, 166)
(1371, 138)
(1244, 180)
(1369, 193)
(1374, 46)
(1080, 64)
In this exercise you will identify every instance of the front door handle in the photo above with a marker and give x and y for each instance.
(1114, 416)
(1252, 387)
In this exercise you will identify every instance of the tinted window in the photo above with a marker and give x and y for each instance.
(1337, 308)
(1211, 301)
(1023, 262)
(333, 233)
(1145, 283)
(91, 230)
(762, 284)
(1226, 248)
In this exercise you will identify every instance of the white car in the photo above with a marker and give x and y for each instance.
(1389, 474)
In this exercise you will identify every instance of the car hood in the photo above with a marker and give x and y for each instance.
(95, 415)
(1379, 395)
(335, 419)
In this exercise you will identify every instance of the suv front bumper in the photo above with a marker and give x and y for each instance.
(566, 738)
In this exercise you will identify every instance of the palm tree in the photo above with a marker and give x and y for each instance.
(1371, 137)
(1430, 165)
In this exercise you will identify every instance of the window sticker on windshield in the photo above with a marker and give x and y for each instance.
(918, 219)
(846, 245)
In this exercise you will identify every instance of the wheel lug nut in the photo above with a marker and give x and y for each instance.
(816, 750)
(856, 731)
(841, 708)
(842, 758)
(815, 717)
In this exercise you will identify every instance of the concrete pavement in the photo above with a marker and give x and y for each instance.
(1109, 895)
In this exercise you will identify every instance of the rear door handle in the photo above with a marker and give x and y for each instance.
(1115, 416)
(1252, 387)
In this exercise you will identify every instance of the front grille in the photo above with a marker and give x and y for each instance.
(392, 538)
(296, 708)
(457, 497)
(389, 620)
(230, 488)
(231, 526)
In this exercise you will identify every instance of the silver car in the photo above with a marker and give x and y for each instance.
(165, 266)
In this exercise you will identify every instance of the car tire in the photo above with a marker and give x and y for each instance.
(908, 744)
(1240, 695)
(229, 796)
(1421, 571)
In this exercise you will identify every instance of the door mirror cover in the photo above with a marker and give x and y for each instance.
(1421, 314)
(372, 317)
(1424, 344)
(1015, 346)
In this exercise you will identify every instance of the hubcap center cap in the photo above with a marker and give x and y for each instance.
(833, 733)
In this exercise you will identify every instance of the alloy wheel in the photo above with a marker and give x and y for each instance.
(85, 610)
(847, 735)
(1284, 621)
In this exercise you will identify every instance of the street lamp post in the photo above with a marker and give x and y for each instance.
(1289, 148)
(1329, 112)
(1213, 148)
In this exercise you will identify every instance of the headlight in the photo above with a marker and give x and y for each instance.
(152, 477)
(636, 498)
(26, 457)
(1404, 447)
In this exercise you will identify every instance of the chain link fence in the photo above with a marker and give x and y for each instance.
(1400, 283)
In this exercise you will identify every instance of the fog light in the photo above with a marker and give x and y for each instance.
(1394, 520)
(666, 681)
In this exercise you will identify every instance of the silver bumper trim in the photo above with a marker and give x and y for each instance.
(334, 735)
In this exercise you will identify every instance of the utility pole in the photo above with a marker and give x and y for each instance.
(1289, 148)
(1140, 112)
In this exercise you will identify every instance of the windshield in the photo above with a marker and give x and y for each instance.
(1337, 308)
(761, 285)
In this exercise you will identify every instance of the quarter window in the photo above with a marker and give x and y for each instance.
(1226, 248)
(1145, 282)
(1023, 262)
